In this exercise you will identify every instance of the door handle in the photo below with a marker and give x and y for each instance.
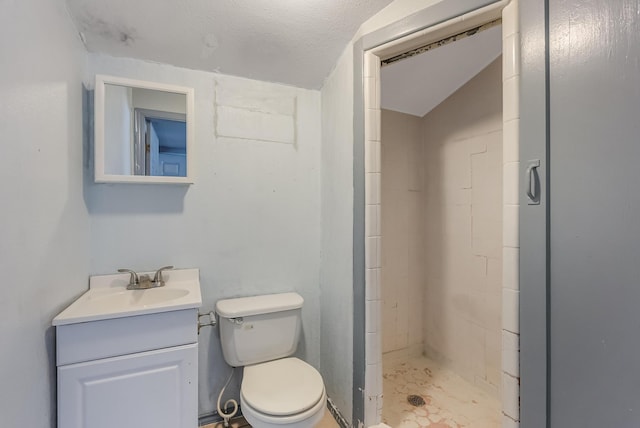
(533, 183)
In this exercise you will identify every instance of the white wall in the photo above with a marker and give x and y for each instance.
(403, 225)
(251, 221)
(336, 274)
(337, 214)
(44, 226)
(463, 216)
(395, 11)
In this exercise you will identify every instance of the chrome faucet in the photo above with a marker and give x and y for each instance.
(142, 282)
(158, 280)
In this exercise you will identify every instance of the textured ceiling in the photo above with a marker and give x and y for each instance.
(295, 42)
(417, 84)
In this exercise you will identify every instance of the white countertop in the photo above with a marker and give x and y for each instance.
(109, 298)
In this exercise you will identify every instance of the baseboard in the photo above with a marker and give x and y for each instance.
(335, 412)
(214, 417)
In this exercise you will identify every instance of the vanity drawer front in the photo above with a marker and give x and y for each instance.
(93, 340)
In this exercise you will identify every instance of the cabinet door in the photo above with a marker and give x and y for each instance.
(594, 208)
(150, 389)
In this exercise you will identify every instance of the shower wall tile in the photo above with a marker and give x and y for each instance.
(511, 269)
(493, 359)
(373, 347)
(510, 57)
(511, 353)
(511, 98)
(371, 408)
(510, 218)
(511, 252)
(370, 93)
(510, 394)
(372, 193)
(511, 149)
(371, 66)
(372, 128)
(372, 222)
(371, 381)
(402, 227)
(372, 252)
(373, 243)
(372, 318)
(510, 310)
(372, 279)
(463, 197)
(510, 183)
(372, 156)
(510, 20)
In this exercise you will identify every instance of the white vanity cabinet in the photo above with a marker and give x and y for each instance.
(130, 372)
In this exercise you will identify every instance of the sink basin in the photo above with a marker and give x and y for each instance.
(108, 297)
(151, 296)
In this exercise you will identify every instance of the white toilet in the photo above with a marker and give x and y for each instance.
(259, 333)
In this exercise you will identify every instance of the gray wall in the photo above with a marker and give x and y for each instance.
(44, 225)
(336, 286)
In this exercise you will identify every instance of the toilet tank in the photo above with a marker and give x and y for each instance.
(259, 328)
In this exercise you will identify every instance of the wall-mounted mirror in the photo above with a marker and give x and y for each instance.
(143, 132)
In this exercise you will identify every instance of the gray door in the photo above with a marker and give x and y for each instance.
(594, 213)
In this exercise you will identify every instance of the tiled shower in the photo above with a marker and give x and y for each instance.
(442, 254)
(375, 397)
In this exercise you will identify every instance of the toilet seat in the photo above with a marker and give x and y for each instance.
(305, 419)
(284, 387)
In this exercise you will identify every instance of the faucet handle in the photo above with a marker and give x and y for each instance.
(133, 280)
(157, 278)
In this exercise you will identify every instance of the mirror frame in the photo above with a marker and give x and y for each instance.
(99, 128)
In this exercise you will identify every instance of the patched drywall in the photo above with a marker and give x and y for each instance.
(44, 227)
(251, 220)
(250, 110)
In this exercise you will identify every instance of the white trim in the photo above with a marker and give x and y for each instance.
(99, 127)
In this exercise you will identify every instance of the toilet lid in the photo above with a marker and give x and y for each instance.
(282, 387)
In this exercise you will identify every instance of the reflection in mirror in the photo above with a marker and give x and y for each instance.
(142, 131)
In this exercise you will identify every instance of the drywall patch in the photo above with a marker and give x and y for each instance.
(255, 113)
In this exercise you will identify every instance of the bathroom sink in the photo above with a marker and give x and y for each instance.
(109, 298)
(132, 298)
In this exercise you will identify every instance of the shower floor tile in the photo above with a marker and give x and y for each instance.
(451, 402)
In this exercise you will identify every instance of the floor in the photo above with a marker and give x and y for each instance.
(326, 422)
(450, 401)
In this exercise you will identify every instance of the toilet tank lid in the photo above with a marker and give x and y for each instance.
(254, 305)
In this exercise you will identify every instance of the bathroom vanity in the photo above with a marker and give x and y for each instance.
(129, 358)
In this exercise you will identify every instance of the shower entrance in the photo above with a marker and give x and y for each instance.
(441, 220)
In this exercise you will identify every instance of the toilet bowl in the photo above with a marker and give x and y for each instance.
(261, 333)
(282, 393)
